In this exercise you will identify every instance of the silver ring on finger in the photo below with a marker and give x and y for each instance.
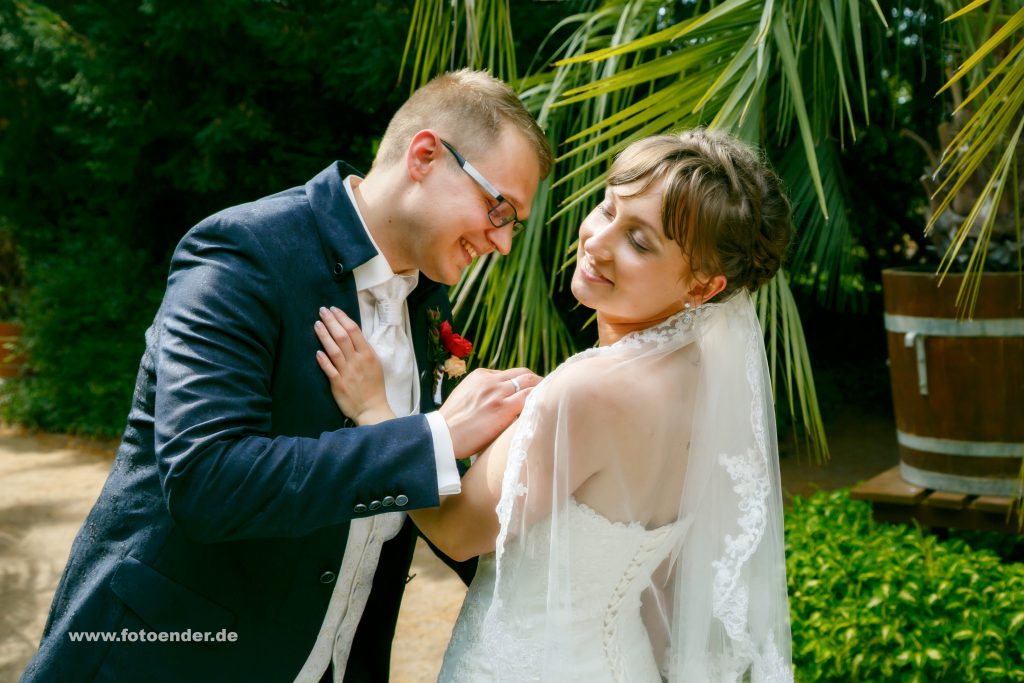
(515, 385)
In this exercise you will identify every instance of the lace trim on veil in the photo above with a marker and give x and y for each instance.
(749, 472)
(511, 486)
(730, 599)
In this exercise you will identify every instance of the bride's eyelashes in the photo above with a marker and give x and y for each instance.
(636, 244)
(605, 209)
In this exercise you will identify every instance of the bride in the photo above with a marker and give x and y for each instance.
(630, 522)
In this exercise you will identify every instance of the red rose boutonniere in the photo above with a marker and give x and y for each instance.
(448, 351)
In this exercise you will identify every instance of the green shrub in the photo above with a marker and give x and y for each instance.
(879, 602)
(84, 336)
(125, 122)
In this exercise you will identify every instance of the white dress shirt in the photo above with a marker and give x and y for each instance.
(368, 534)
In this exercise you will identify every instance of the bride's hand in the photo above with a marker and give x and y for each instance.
(353, 369)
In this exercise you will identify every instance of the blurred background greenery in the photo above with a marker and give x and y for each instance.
(124, 123)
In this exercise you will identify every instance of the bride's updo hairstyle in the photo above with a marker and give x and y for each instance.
(722, 204)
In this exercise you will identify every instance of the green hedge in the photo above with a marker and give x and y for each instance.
(125, 122)
(122, 124)
(879, 602)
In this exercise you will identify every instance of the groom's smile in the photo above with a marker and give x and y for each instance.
(484, 199)
(470, 250)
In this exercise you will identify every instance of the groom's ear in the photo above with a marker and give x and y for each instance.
(424, 154)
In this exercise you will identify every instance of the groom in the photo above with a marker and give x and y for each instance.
(248, 530)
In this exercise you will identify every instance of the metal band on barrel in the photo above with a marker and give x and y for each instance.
(977, 449)
(953, 482)
(950, 327)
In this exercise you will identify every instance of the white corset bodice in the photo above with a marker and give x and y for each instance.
(612, 563)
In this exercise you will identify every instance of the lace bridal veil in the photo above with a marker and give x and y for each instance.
(640, 516)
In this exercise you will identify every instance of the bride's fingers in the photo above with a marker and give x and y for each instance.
(320, 330)
(338, 334)
(355, 334)
(327, 366)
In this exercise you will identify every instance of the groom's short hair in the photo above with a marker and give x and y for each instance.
(468, 109)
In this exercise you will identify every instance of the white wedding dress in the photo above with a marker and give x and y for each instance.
(614, 564)
(640, 519)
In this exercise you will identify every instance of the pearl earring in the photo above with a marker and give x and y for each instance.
(688, 315)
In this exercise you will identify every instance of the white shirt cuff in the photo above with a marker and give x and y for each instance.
(448, 482)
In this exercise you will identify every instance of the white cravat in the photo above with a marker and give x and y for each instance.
(385, 322)
(389, 338)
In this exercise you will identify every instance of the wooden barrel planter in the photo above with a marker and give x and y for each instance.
(957, 385)
(11, 358)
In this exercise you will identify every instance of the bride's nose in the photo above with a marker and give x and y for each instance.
(596, 243)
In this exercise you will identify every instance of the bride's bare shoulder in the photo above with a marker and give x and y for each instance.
(606, 384)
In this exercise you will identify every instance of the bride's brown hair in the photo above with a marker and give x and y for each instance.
(721, 203)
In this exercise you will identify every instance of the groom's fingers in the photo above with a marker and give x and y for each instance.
(504, 375)
(525, 380)
(483, 405)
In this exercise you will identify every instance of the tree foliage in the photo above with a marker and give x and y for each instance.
(822, 86)
(124, 123)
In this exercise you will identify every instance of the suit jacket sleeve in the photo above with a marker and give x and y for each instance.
(222, 474)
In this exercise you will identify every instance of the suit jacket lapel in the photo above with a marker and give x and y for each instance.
(427, 295)
(346, 246)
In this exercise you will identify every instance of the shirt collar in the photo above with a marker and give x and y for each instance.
(377, 270)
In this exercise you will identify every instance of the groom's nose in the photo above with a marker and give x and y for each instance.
(501, 239)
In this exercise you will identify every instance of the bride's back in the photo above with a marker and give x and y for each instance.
(630, 418)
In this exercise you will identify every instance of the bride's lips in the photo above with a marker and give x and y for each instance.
(471, 252)
(590, 273)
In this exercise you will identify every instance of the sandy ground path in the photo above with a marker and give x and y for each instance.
(47, 486)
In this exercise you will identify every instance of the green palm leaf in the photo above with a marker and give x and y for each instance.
(822, 256)
(623, 73)
(789, 360)
(990, 141)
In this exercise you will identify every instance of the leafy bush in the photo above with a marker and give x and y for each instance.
(122, 124)
(879, 602)
(86, 340)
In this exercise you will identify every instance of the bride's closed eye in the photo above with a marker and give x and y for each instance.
(636, 243)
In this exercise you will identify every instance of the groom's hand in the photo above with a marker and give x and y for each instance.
(483, 405)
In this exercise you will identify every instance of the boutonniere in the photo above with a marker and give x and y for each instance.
(449, 351)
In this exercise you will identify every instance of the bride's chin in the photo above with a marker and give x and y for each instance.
(579, 292)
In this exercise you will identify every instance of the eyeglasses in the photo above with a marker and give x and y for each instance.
(502, 213)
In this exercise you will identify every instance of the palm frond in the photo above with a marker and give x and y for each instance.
(988, 146)
(627, 70)
(449, 34)
(822, 258)
(789, 360)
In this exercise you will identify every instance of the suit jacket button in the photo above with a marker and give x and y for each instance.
(388, 501)
(348, 422)
(327, 577)
(360, 508)
(339, 268)
(375, 505)
(401, 501)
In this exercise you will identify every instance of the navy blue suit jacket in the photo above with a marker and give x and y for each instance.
(229, 503)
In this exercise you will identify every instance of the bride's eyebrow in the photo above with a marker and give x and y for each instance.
(618, 198)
